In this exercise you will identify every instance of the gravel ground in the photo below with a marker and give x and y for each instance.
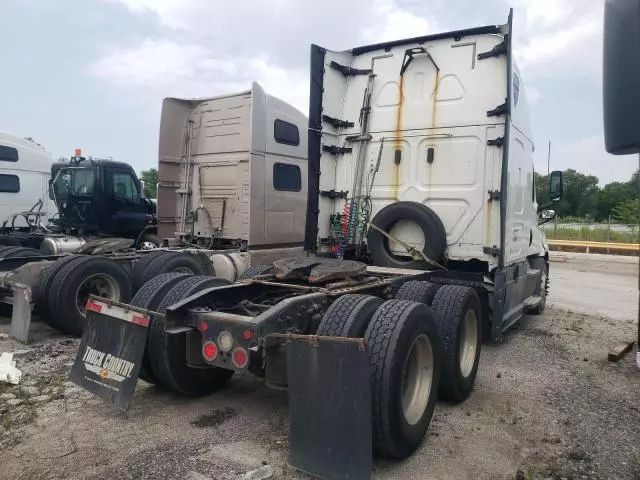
(547, 404)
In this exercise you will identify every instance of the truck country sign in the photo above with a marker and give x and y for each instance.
(106, 366)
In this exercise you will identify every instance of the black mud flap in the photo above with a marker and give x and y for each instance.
(329, 407)
(110, 353)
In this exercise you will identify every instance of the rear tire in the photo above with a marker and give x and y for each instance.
(149, 297)
(348, 316)
(76, 280)
(137, 271)
(415, 291)
(168, 361)
(176, 262)
(404, 357)
(46, 280)
(459, 323)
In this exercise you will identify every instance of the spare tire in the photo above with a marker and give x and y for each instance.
(435, 237)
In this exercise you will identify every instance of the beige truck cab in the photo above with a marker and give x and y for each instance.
(232, 172)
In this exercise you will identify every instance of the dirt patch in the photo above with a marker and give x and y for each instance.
(546, 404)
(44, 370)
(215, 418)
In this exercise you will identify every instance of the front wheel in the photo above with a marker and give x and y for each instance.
(404, 359)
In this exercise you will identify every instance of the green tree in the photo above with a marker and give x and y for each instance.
(612, 195)
(584, 199)
(150, 179)
(580, 194)
(628, 212)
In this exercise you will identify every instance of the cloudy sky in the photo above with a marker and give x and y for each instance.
(92, 73)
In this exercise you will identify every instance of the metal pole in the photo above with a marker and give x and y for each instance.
(638, 354)
(549, 161)
(609, 234)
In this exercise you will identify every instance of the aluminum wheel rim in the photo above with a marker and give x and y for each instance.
(148, 246)
(99, 284)
(468, 343)
(417, 380)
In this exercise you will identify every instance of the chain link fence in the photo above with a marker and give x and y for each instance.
(592, 232)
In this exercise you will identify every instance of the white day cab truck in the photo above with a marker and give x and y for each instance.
(422, 238)
(230, 193)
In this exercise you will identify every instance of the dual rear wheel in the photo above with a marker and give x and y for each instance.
(164, 362)
(423, 345)
(65, 287)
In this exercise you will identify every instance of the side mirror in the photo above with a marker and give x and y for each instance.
(556, 186)
(548, 214)
(141, 188)
(51, 190)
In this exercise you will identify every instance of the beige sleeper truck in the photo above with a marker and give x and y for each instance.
(232, 193)
(232, 175)
(422, 233)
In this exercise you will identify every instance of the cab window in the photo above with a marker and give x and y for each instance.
(124, 185)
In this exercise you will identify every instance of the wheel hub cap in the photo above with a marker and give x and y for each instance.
(99, 284)
(468, 343)
(418, 377)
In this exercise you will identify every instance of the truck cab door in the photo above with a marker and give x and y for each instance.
(125, 208)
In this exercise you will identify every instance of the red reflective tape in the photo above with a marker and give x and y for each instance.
(94, 307)
(140, 320)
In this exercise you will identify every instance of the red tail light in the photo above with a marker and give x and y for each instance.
(94, 307)
(209, 351)
(240, 357)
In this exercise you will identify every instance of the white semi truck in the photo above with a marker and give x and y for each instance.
(25, 169)
(422, 238)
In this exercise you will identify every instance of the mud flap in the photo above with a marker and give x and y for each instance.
(110, 353)
(329, 407)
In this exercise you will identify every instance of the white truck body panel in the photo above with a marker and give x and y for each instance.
(434, 122)
(25, 169)
(221, 155)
